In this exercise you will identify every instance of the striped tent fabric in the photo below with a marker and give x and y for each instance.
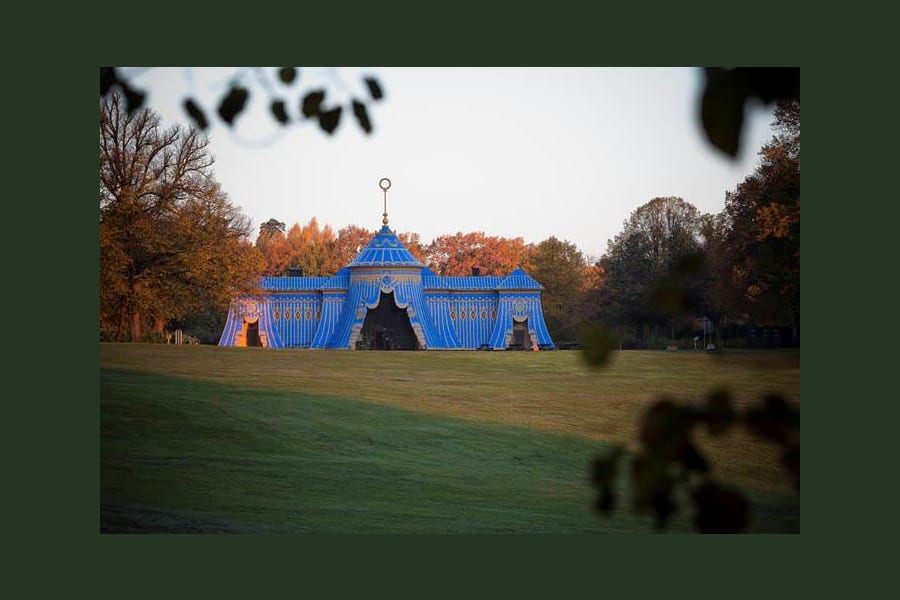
(444, 313)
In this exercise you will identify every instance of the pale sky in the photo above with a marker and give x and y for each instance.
(514, 152)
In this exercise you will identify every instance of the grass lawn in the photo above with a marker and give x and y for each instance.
(201, 438)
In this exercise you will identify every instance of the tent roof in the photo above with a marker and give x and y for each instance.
(519, 280)
(385, 250)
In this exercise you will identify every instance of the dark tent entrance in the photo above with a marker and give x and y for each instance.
(253, 334)
(520, 337)
(387, 327)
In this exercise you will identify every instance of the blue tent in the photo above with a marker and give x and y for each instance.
(387, 299)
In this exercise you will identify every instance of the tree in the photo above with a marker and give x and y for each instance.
(718, 295)
(311, 248)
(458, 254)
(561, 268)
(271, 227)
(622, 297)
(215, 255)
(275, 252)
(273, 246)
(170, 241)
(349, 242)
(649, 267)
(763, 229)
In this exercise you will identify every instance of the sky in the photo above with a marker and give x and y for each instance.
(513, 152)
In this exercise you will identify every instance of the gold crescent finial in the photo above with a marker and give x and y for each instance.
(385, 184)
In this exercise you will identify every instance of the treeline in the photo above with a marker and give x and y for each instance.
(173, 250)
(732, 277)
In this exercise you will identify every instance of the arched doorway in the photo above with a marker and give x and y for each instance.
(253, 334)
(387, 327)
(521, 340)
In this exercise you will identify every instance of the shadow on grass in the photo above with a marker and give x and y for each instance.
(182, 456)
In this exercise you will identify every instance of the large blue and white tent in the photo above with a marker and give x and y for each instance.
(387, 299)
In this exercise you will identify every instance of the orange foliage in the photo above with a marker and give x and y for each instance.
(413, 243)
(457, 254)
(274, 249)
(777, 220)
(349, 242)
(592, 276)
(321, 252)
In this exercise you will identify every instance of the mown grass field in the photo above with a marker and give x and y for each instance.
(201, 438)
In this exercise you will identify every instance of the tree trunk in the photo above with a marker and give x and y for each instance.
(135, 313)
(120, 322)
(135, 326)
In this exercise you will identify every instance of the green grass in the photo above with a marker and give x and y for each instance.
(216, 439)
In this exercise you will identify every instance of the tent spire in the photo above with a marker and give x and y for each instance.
(385, 184)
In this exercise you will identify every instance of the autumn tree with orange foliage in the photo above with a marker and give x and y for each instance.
(349, 242)
(310, 248)
(456, 255)
(274, 249)
(319, 252)
(171, 243)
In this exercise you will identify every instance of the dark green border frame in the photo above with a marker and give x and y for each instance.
(60, 477)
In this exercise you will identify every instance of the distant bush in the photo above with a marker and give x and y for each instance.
(153, 337)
